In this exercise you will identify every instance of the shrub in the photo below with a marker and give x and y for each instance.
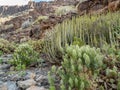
(6, 46)
(40, 18)
(78, 66)
(1, 53)
(23, 56)
(62, 10)
(78, 41)
(112, 52)
(37, 45)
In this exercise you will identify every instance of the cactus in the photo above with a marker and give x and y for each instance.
(93, 31)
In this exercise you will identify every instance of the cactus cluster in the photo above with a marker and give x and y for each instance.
(93, 30)
(78, 66)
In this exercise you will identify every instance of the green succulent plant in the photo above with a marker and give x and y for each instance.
(77, 64)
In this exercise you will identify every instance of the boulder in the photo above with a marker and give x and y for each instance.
(8, 86)
(27, 83)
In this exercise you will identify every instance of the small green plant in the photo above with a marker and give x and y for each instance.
(62, 10)
(112, 72)
(78, 66)
(51, 80)
(39, 19)
(6, 46)
(23, 56)
(1, 53)
(78, 41)
(118, 85)
(37, 45)
(1, 61)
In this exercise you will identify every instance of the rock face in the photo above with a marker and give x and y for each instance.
(42, 7)
(22, 31)
(6, 10)
(98, 6)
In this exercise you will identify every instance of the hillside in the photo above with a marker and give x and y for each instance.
(60, 45)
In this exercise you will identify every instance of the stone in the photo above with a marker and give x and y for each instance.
(11, 86)
(5, 66)
(36, 88)
(29, 75)
(42, 80)
(3, 87)
(6, 58)
(27, 83)
(8, 86)
(1, 82)
(1, 72)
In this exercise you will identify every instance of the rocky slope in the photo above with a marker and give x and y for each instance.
(12, 30)
(98, 6)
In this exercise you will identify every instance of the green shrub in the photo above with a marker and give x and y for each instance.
(78, 41)
(6, 46)
(78, 66)
(111, 51)
(62, 10)
(1, 53)
(118, 86)
(39, 19)
(37, 45)
(1, 60)
(23, 56)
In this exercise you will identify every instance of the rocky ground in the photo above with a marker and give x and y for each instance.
(34, 78)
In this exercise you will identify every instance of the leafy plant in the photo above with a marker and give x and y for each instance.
(118, 86)
(37, 45)
(78, 66)
(1, 60)
(23, 56)
(1, 53)
(78, 41)
(6, 46)
(62, 10)
(39, 19)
